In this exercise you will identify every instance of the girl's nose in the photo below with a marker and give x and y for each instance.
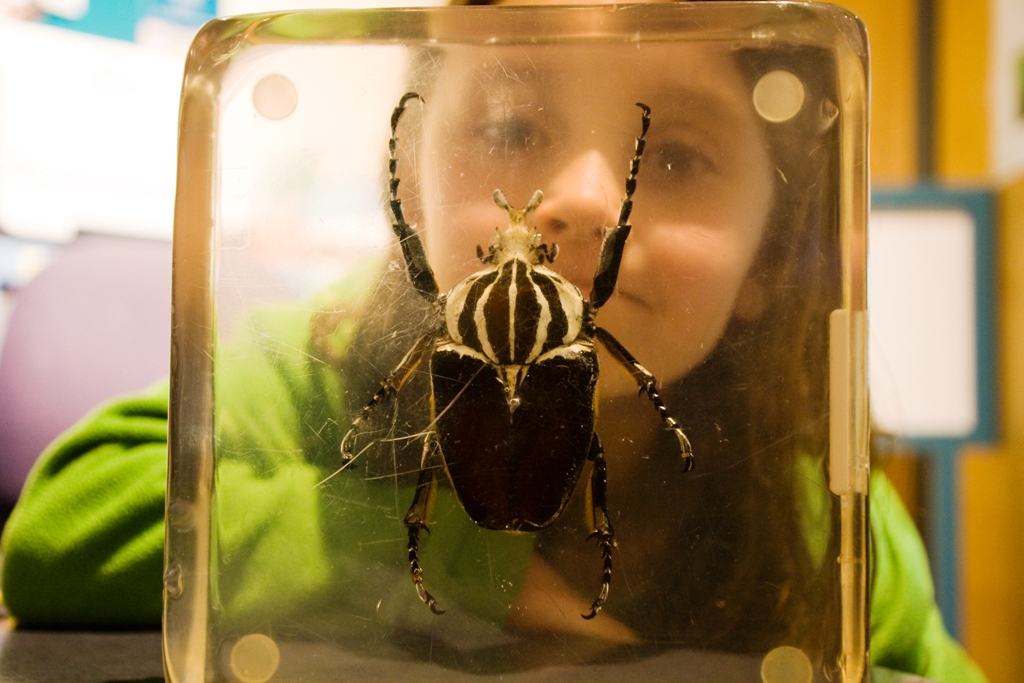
(580, 202)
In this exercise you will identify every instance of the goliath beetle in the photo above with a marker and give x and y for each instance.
(513, 371)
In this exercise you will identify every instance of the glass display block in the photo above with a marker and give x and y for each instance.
(425, 259)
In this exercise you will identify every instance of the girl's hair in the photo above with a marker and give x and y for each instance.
(735, 569)
(758, 406)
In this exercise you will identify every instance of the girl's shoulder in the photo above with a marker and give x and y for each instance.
(907, 631)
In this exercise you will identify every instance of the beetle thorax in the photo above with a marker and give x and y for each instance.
(514, 311)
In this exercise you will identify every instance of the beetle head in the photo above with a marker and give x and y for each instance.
(519, 239)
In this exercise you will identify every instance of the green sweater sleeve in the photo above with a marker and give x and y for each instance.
(84, 546)
(907, 632)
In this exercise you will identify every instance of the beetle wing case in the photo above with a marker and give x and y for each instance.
(406, 441)
(514, 468)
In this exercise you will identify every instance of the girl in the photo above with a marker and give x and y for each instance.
(724, 292)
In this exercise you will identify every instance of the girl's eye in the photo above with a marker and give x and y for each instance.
(681, 161)
(514, 134)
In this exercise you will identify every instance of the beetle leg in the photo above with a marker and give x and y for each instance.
(601, 524)
(388, 389)
(648, 385)
(547, 252)
(420, 272)
(607, 273)
(417, 519)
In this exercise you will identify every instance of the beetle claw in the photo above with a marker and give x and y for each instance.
(347, 457)
(428, 599)
(599, 602)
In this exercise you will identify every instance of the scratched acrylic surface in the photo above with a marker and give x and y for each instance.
(288, 560)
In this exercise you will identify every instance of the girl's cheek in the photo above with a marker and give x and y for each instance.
(697, 284)
(673, 270)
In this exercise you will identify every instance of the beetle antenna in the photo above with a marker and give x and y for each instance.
(420, 272)
(607, 273)
(393, 181)
(634, 164)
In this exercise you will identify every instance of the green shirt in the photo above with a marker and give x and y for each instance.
(84, 547)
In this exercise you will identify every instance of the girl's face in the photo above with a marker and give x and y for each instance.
(529, 118)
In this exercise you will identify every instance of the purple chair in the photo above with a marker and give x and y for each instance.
(94, 324)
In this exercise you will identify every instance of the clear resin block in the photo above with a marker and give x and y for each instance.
(406, 437)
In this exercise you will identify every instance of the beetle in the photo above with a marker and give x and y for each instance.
(513, 371)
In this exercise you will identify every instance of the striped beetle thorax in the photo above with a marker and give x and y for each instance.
(514, 312)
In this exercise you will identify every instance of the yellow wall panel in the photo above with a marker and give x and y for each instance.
(993, 482)
(961, 71)
(992, 618)
(892, 32)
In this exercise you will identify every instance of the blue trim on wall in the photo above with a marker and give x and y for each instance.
(943, 452)
(118, 18)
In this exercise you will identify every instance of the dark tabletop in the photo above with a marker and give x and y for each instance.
(134, 657)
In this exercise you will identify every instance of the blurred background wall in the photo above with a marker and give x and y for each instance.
(948, 109)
